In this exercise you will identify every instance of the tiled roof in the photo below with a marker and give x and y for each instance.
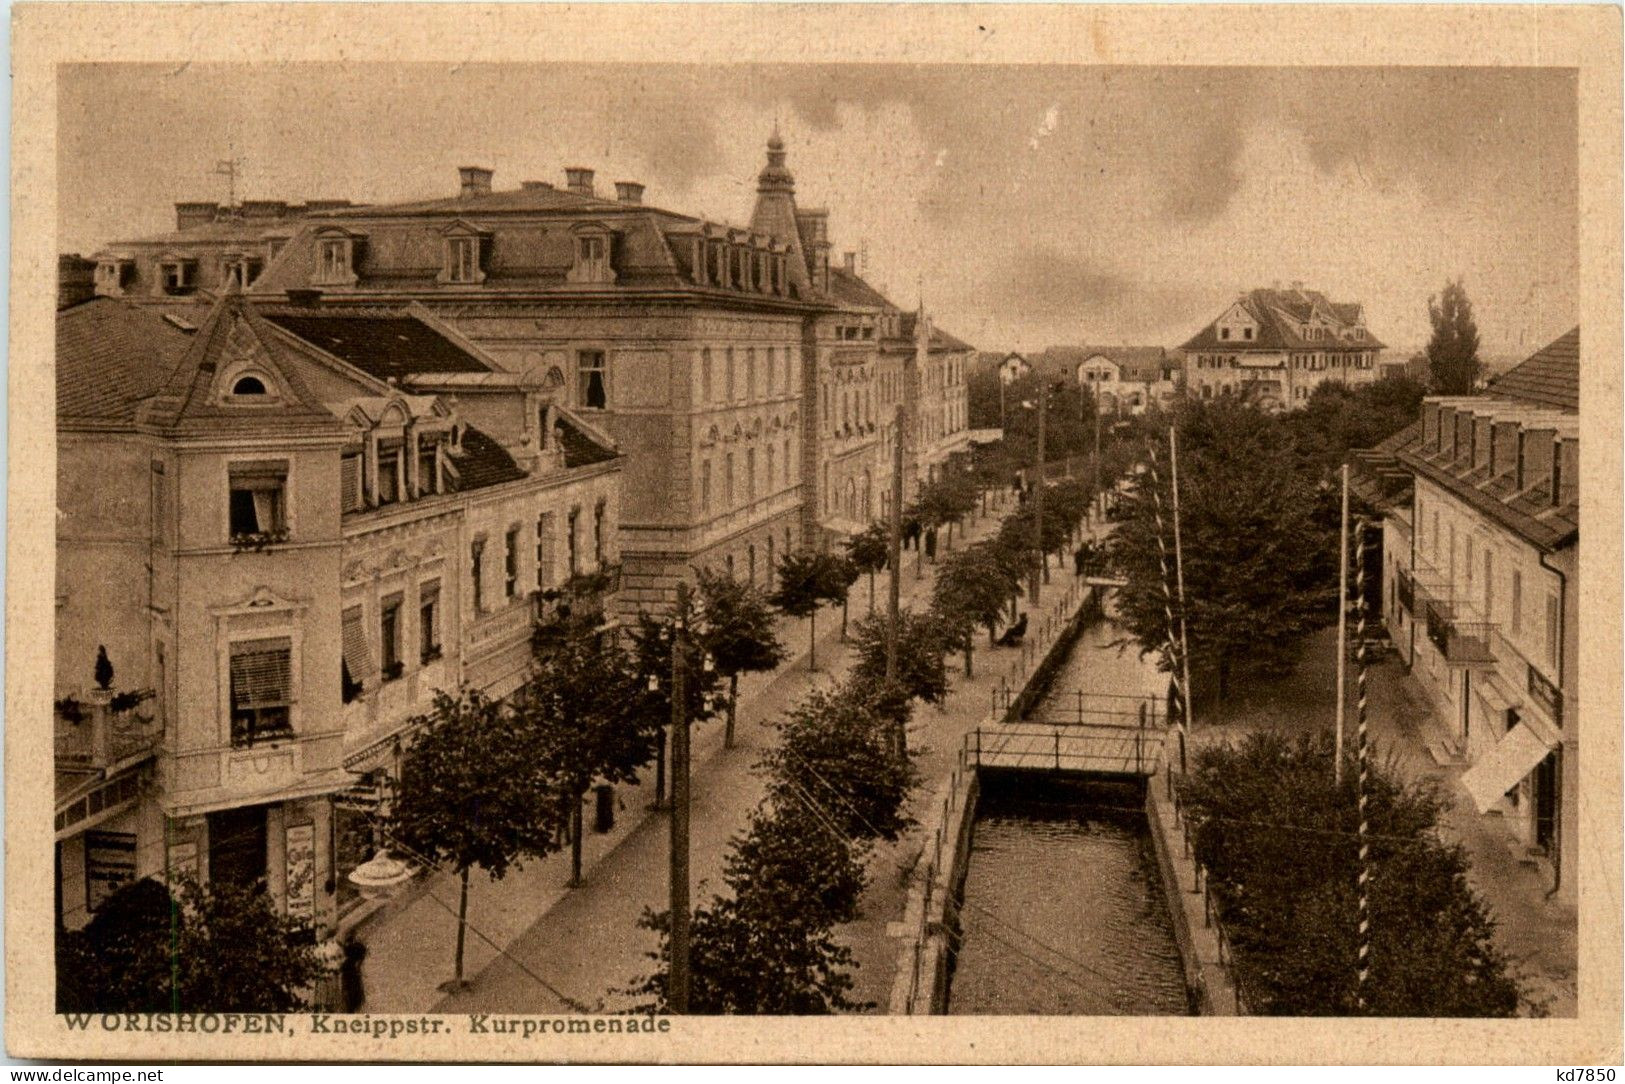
(1550, 377)
(1529, 513)
(580, 448)
(111, 354)
(384, 347)
(1277, 312)
(483, 462)
(1377, 477)
(940, 339)
(850, 289)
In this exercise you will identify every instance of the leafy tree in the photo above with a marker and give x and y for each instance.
(920, 650)
(1453, 349)
(213, 948)
(1260, 555)
(1277, 835)
(1337, 419)
(869, 551)
(472, 793)
(769, 947)
(807, 580)
(836, 752)
(970, 591)
(1069, 421)
(839, 574)
(650, 697)
(740, 633)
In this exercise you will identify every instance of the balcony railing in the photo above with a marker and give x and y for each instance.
(92, 737)
(1547, 695)
(1462, 643)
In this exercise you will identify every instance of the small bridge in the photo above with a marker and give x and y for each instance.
(1110, 749)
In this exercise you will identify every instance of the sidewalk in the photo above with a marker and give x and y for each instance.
(1539, 934)
(584, 942)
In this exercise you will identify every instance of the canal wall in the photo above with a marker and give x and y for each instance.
(929, 927)
(1202, 944)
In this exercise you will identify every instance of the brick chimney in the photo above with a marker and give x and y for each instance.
(532, 186)
(1569, 484)
(473, 181)
(629, 191)
(851, 260)
(578, 179)
(197, 213)
(1506, 448)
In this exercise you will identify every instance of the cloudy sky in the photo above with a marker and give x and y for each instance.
(1031, 204)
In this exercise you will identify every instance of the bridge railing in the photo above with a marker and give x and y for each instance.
(1104, 748)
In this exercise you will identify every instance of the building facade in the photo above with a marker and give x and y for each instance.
(317, 549)
(1122, 379)
(1480, 590)
(1277, 346)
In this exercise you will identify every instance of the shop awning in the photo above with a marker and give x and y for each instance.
(1499, 770)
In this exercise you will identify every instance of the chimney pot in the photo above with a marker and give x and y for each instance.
(531, 186)
(473, 181)
(629, 191)
(196, 213)
(578, 179)
(851, 262)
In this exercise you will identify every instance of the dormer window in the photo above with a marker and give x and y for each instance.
(465, 254)
(242, 270)
(335, 257)
(177, 277)
(112, 276)
(248, 385)
(592, 244)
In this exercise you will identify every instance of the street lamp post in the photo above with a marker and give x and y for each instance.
(1038, 495)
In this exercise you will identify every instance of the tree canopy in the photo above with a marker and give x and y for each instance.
(1277, 836)
(1260, 553)
(740, 631)
(211, 948)
(1453, 350)
(920, 649)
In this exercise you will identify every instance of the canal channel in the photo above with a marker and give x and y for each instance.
(1063, 910)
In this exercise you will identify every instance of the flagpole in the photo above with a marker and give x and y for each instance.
(1179, 571)
(1342, 628)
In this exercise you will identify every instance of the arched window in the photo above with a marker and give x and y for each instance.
(248, 385)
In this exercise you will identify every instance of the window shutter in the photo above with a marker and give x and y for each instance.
(357, 653)
(350, 482)
(261, 673)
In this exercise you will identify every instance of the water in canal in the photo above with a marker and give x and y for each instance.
(1063, 908)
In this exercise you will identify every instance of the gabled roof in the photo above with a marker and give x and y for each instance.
(941, 341)
(1549, 377)
(1277, 313)
(849, 289)
(234, 335)
(582, 447)
(385, 347)
(1137, 364)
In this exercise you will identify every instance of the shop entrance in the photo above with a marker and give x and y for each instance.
(237, 845)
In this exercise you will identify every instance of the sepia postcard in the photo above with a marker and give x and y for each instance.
(814, 534)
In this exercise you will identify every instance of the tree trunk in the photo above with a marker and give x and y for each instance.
(462, 929)
(575, 838)
(843, 619)
(968, 640)
(733, 702)
(812, 641)
(871, 591)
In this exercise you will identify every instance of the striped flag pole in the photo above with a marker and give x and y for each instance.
(1168, 606)
(1362, 749)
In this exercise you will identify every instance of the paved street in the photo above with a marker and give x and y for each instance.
(1538, 933)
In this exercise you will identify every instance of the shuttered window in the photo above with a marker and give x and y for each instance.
(357, 661)
(350, 483)
(429, 620)
(261, 689)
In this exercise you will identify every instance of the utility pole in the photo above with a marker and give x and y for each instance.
(677, 981)
(1099, 497)
(1038, 494)
(1342, 627)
